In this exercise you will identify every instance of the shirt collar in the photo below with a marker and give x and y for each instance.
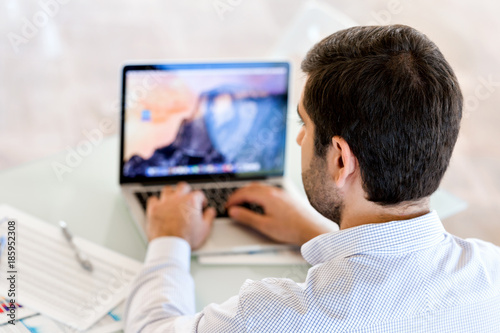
(394, 237)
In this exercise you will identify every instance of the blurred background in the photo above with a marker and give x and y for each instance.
(61, 61)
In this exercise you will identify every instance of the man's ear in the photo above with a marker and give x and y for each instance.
(343, 161)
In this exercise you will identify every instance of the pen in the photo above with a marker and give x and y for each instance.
(82, 258)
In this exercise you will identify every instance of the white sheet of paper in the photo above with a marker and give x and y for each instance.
(50, 280)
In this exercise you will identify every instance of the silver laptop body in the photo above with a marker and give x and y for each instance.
(217, 126)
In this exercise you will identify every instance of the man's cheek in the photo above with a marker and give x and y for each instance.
(305, 157)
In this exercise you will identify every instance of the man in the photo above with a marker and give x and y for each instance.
(381, 110)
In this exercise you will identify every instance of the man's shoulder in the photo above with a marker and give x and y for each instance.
(483, 252)
(479, 247)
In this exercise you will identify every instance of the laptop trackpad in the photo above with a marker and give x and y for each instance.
(230, 237)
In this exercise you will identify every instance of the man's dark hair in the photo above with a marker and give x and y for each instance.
(389, 92)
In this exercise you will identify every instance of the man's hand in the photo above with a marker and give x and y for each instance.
(179, 212)
(285, 219)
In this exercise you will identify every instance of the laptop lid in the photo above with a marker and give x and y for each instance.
(203, 121)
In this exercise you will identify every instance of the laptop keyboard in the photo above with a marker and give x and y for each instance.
(216, 197)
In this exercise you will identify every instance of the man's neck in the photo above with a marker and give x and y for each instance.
(366, 212)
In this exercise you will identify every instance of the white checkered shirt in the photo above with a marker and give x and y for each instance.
(401, 276)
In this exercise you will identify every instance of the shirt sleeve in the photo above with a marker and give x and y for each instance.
(162, 296)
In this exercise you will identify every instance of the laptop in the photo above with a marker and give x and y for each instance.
(217, 126)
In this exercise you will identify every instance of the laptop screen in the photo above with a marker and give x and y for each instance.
(200, 121)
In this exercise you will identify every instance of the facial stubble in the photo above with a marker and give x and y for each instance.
(321, 191)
